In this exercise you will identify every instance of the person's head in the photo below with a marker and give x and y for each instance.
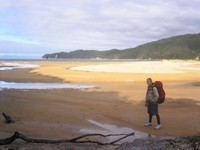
(149, 81)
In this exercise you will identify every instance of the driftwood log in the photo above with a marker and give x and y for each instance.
(7, 118)
(18, 135)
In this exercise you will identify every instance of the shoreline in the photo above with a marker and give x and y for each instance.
(119, 102)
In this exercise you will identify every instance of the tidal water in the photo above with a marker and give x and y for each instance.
(106, 129)
(39, 86)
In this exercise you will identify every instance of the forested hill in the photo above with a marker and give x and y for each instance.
(178, 47)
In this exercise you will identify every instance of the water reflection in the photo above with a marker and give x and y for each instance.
(35, 86)
(113, 129)
(11, 66)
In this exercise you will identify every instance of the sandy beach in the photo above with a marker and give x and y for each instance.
(117, 99)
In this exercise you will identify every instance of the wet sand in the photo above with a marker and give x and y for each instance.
(118, 101)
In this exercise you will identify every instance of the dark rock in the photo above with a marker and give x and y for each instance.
(184, 143)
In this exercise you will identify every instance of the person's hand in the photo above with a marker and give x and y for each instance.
(146, 104)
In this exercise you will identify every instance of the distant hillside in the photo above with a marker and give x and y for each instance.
(86, 54)
(177, 47)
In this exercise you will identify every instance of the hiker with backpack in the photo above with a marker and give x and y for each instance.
(155, 95)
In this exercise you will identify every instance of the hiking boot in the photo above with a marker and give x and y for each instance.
(158, 127)
(148, 124)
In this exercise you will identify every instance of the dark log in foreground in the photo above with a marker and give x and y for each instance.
(18, 135)
(7, 118)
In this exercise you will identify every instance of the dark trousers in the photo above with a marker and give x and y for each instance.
(157, 116)
(153, 110)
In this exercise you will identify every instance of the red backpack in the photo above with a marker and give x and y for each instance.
(161, 91)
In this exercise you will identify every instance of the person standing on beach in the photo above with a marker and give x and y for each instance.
(151, 103)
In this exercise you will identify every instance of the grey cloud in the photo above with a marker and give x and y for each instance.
(101, 24)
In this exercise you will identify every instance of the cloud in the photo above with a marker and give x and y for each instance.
(100, 24)
(18, 39)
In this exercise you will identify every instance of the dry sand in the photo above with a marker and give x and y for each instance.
(153, 67)
(119, 100)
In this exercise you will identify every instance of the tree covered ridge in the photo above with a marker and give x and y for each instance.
(177, 47)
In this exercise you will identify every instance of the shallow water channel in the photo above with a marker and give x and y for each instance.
(40, 86)
(106, 129)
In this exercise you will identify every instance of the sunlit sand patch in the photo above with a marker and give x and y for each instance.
(156, 67)
(73, 76)
(198, 104)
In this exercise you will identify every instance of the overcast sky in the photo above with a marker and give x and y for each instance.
(35, 27)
